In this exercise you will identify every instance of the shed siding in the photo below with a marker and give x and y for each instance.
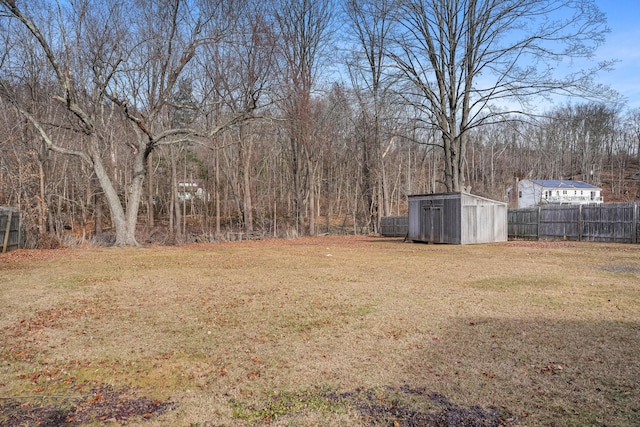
(484, 223)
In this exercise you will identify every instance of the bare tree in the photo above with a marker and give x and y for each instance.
(472, 61)
(107, 60)
(371, 23)
(239, 72)
(304, 27)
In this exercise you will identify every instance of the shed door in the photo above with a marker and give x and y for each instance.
(431, 224)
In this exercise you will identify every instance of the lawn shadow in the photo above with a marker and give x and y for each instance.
(542, 371)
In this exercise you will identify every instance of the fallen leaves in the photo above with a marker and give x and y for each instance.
(550, 369)
(106, 404)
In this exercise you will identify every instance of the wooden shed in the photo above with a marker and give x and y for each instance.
(456, 218)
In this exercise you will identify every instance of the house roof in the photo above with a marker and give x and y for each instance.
(562, 183)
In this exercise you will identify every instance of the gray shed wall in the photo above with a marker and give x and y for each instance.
(435, 218)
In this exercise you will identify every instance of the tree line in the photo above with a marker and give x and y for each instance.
(161, 120)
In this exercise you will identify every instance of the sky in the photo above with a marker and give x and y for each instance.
(622, 44)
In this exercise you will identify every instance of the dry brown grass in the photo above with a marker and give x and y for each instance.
(263, 332)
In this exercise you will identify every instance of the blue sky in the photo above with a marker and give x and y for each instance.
(623, 44)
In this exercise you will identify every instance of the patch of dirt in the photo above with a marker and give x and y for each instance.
(397, 407)
(620, 268)
(381, 411)
(541, 244)
(104, 404)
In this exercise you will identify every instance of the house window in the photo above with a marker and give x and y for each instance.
(520, 194)
(564, 192)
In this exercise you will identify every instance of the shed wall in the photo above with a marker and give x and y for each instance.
(484, 223)
(435, 218)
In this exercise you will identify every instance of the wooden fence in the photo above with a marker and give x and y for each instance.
(394, 226)
(611, 222)
(11, 235)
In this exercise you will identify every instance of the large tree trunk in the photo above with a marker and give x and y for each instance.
(113, 201)
(135, 196)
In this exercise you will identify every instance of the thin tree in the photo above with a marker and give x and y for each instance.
(371, 23)
(304, 27)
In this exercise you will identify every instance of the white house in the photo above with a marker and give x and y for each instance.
(190, 190)
(556, 192)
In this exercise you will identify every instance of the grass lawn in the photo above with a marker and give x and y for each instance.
(355, 331)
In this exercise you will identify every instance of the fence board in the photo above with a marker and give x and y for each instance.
(523, 223)
(609, 223)
(394, 226)
(612, 222)
(10, 233)
(559, 222)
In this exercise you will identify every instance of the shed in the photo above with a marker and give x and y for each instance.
(456, 218)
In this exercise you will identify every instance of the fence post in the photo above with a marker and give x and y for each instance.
(20, 236)
(580, 221)
(538, 219)
(634, 225)
(6, 233)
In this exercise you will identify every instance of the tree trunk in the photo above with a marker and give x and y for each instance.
(175, 199)
(217, 195)
(113, 201)
(97, 213)
(135, 195)
(150, 204)
(312, 196)
(246, 151)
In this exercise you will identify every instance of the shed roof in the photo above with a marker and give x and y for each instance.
(562, 183)
(454, 195)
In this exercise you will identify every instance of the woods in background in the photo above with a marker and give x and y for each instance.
(170, 120)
